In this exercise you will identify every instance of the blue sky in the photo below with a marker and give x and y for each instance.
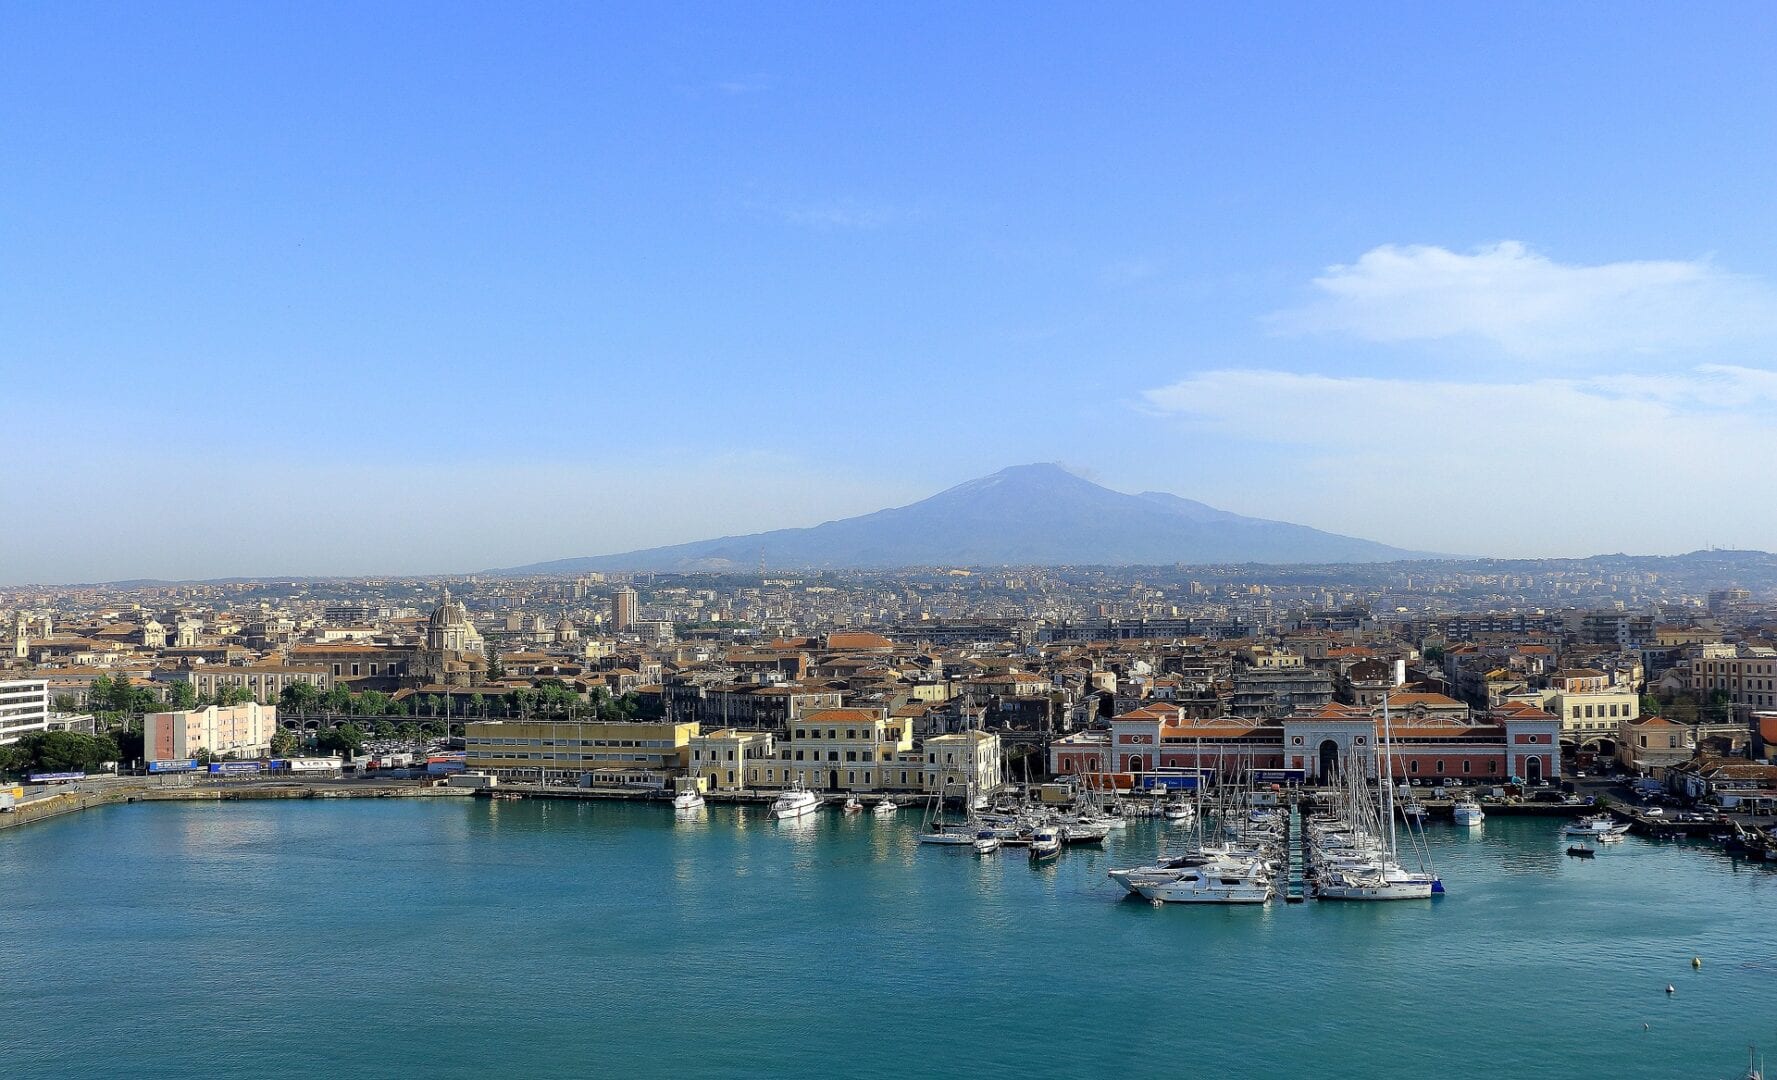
(375, 288)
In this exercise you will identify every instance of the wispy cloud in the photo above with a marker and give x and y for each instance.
(1582, 463)
(848, 214)
(1524, 305)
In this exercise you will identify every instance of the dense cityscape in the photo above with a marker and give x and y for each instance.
(1663, 668)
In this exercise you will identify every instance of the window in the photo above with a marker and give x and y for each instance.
(1440, 766)
(1465, 764)
(354, 669)
(1413, 766)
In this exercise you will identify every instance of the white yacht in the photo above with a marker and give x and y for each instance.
(853, 806)
(1045, 844)
(986, 842)
(794, 803)
(1210, 884)
(1597, 827)
(689, 799)
(886, 807)
(1177, 810)
(1468, 812)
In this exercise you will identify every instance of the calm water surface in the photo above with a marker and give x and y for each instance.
(374, 938)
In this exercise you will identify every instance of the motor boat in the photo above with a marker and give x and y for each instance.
(1045, 844)
(1177, 810)
(853, 806)
(886, 807)
(1210, 885)
(1596, 827)
(689, 799)
(1468, 812)
(794, 803)
(986, 842)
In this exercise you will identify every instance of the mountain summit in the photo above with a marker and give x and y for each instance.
(1027, 515)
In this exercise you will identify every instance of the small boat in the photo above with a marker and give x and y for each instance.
(689, 799)
(1597, 826)
(1468, 812)
(794, 803)
(986, 842)
(853, 806)
(885, 807)
(1582, 853)
(951, 834)
(1177, 810)
(1611, 837)
(1045, 844)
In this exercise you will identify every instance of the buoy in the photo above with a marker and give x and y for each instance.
(1670, 989)
(1696, 961)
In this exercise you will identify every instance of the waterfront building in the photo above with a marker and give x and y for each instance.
(551, 750)
(1432, 741)
(1081, 753)
(838, 750)
(962, 758)
(719, 759)
(1653, 742)
(24, 708)
(237, 730)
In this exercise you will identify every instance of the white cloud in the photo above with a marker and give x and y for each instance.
(846, 214)
(1544, 466)
(1528, 306)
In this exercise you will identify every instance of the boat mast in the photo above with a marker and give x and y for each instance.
(1387, 779)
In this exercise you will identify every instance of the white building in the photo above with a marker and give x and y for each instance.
(24, 708)
(242, 730)
(959, 759)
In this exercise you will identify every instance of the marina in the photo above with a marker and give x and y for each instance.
(581, 931)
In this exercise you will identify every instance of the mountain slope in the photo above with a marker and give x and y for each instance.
(1024, 515)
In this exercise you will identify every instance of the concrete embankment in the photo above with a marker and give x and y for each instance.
(68, 802)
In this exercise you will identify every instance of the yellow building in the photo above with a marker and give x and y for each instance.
(719, 759)
(1594, 714)
(835, 750)
(554, 750)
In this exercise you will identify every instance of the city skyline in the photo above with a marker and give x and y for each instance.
(334, 292)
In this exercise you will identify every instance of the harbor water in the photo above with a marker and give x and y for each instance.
(447, 938)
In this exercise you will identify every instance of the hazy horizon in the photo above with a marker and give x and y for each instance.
(326, 291)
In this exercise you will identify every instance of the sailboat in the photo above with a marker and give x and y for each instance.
(1357, 854)
(938, 831)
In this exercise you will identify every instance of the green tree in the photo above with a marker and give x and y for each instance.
(181, 695)
(338, 699)
(130, 746)
(477, 705)
(384, 729)
(66, 703)
(408, 732)
(495, 670)
(67, 751)
(300, 697)
(343, 739)
(283, 744)
(233, 695)
(371, 703)
(1434, 654)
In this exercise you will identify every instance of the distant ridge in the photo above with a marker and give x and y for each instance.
(1026, 515)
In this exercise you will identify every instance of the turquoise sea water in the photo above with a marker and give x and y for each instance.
(445, 938)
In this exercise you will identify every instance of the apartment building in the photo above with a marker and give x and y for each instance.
(24, 708)
(243, 731)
